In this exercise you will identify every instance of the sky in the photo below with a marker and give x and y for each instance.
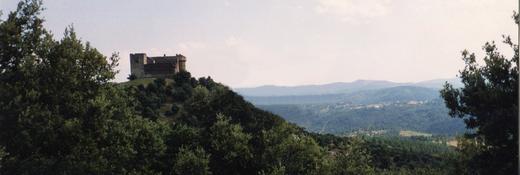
(247, 43)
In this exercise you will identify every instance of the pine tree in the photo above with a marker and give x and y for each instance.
(488, 103)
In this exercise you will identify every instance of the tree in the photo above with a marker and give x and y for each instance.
(275, 170)
(467, 149)
(353, 158)
(229, 147)
(182, 78)
(174, 109)
(488, 103)
(195, 162)
(59, 113)
(295, 153)
(198, 106)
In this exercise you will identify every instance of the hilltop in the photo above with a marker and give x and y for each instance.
(203, 101)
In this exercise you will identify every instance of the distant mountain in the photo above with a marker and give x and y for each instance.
(393, 94)
(332, 88)
(382, 95)
(338, 88)
(439, 83)
(296, 99)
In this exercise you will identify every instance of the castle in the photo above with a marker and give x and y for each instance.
(143, 66)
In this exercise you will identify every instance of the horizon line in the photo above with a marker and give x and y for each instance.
(320, 84)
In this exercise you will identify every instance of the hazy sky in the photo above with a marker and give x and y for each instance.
(246, 43)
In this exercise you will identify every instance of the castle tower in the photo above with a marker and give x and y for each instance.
(137, 62)
(182, 62)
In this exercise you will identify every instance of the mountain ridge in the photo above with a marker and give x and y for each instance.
(338, 87)
(382, 95)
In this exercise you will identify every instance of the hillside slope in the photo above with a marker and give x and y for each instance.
(197, 104)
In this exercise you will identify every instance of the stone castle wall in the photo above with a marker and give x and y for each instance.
(143, 66)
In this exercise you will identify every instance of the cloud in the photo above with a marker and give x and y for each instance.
(348, 10)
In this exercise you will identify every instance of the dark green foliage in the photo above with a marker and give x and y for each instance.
(194, 162)
(465, 162)
(275, 170)
(71, 120)
(183, 134)
(151, 97)
(207, 82)
(229, 147)
(353, 158)
(488, 103)
(182, 78)
(173, 110)
(297, 154)
(400, 153)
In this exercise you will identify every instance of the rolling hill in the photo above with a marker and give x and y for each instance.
(361, 106)
(338, 88)
(428, 117)
(382, 95)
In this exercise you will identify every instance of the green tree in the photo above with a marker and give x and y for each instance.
(182, 77)
(184, 135)
(488, 103)
(194, 162)
(467, 149)
(59, 114)
(296, 153)
(198, 106)
(353, 158)
(275, 170)
(229, 147)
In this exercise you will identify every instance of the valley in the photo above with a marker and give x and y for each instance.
(365, 107)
